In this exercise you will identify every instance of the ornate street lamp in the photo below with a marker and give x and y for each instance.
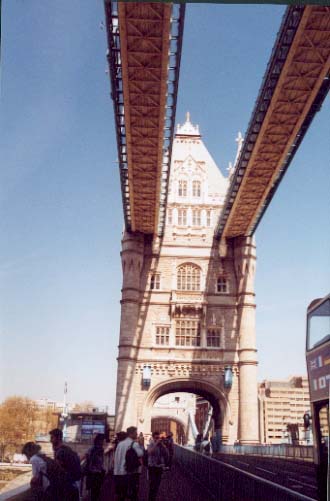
(228, 377)
(146, 376)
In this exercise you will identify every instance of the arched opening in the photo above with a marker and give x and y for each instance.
(168, 425)
(204, 411)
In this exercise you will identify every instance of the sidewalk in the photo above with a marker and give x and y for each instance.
(175, 486)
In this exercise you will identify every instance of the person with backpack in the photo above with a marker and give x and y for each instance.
(39, 481)
(127, 466)
(94, 468)
(48, 478)
(69, 461)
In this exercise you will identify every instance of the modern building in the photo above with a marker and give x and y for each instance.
(187, 308)
(84, 426)
(282, 405)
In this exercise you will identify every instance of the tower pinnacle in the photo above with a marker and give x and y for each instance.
(187, 129)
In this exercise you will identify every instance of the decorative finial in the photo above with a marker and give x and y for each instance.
(239, 140)
(188, 129)
(230, 169)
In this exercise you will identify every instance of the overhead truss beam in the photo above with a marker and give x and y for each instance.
(145, 42)
(294, 87)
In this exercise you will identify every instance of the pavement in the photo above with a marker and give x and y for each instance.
(175, 486)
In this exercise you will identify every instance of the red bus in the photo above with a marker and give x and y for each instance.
(318, 369)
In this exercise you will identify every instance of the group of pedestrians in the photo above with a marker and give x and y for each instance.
(55, 478)
(58, 478)
(129, 457)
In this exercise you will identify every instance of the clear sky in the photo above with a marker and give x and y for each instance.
(61, 212)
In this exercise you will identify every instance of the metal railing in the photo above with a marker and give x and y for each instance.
(296, 452)
(222, 481)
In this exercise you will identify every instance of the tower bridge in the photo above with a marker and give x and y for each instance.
(188, 252)
(188, 309)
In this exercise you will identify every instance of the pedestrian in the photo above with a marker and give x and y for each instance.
(170, 448)
(69, 462)
(198, 442)
(206, 447)
(94, 468)
(127, 466)
(120, 436)
(157, 459)
(39, 481)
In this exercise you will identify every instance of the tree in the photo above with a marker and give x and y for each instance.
(86, 406)
(17, 423)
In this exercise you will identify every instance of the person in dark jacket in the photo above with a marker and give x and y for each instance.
(95, 467)
(68, 460)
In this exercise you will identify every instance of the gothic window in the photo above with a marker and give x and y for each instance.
(187, 332)
(182, 217)
(155, 281)
(189, 278)
(196, 217)
(169, 216)
(182, 192)
(222, 284)
(208, 218)
(162, 335)
(213, 337)
(196, 188)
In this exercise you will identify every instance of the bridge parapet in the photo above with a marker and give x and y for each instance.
(224, 481)
(299, 452)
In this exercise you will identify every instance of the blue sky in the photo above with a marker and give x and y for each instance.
(61, 223)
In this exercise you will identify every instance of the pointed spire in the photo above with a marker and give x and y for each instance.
(187, 129)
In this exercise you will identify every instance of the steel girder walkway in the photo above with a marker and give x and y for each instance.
(144, 41)
(296, 82)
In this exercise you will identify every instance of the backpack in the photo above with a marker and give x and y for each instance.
(70, 462)
(56, 477)
(132, 461)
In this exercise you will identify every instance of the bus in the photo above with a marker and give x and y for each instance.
(318, 370)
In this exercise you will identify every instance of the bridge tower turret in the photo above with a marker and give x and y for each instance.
(187, 309)
(245, 264)
(132, 263)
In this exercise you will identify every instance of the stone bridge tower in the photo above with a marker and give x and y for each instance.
(187, 309)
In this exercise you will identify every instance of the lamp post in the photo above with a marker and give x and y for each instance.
(64, 414)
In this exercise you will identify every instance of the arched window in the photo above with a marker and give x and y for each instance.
(196, 188)
(189, 278)
(182, 192)
(222, 284)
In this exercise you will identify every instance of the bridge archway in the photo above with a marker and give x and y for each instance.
(170, 423)
(215, 396)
